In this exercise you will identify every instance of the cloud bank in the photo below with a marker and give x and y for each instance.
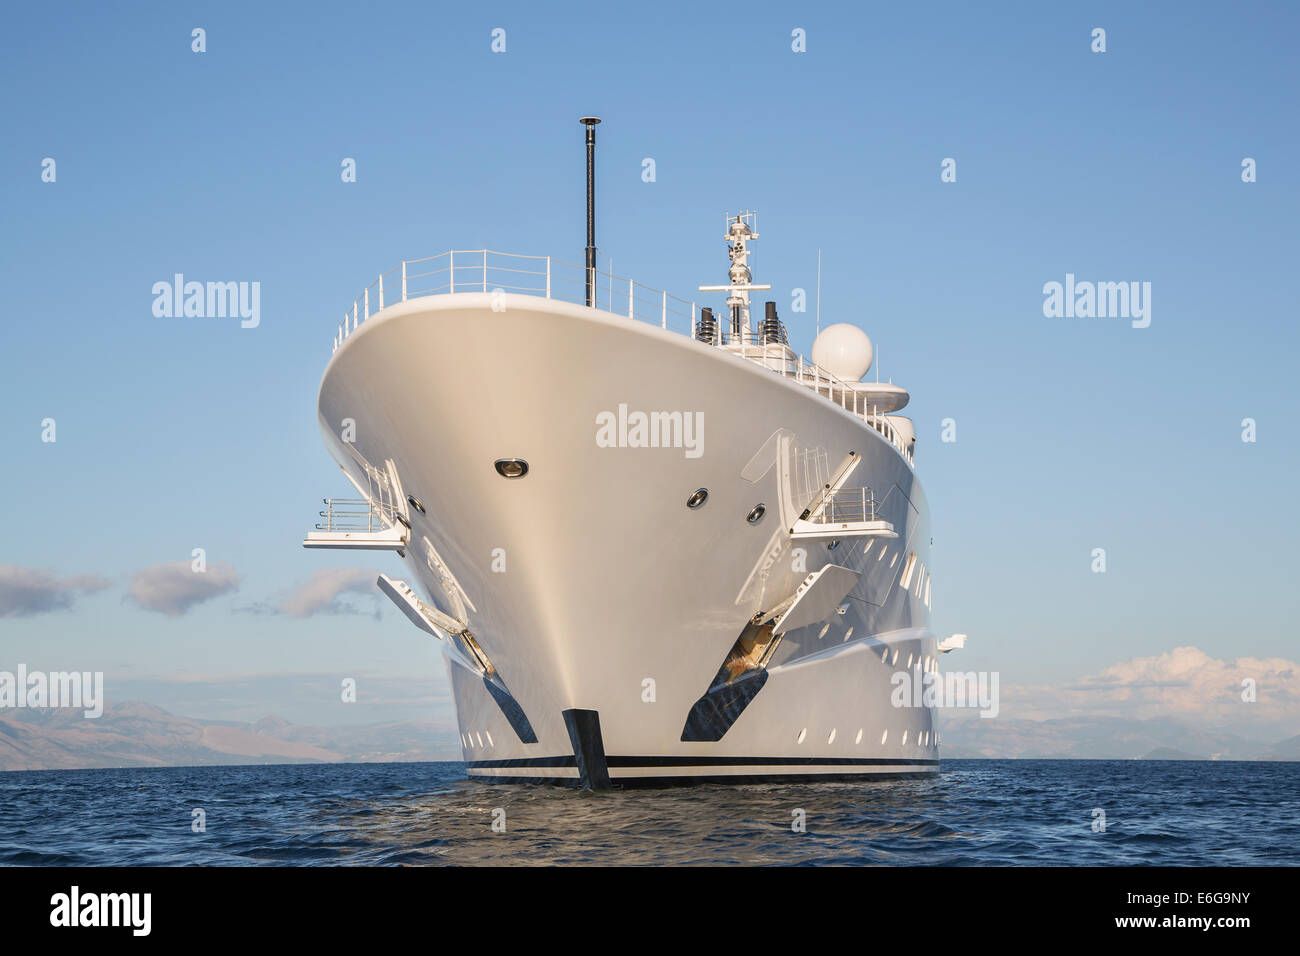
(324, 589)
(28, 591)
(1184, 683)
(174, 588)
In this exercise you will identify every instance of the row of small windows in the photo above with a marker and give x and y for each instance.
(922, 738)
(474, 738)
(890, 656)
(927, 662)
(912, 571)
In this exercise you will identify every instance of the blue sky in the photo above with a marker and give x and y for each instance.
(1072, 434)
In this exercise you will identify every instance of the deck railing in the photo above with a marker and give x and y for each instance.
(354, 514)
(846, 505)
(483, 270)
(486, 271)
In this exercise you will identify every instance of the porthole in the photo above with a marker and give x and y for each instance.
(488, 734)
(858, 739)
(831, 738)
(415, 503)
(756, 515)
(826, 627)
(894, 660)
(884, 736)
(904, 743)
(511, 467)
(884, 653)
(802, 734)
(697, 499)
(479, 738)
(909, 662)
(848, 634)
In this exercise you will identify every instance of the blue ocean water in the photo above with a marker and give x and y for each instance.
(976, 812)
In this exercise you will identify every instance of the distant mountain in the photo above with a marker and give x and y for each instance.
(1288, 749)
(967, 735)
(136, 734)
(1169, 753)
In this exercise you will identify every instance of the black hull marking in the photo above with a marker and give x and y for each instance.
(519, 722)
(715, 712)
(588, 748)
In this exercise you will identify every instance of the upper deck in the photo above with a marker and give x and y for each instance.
(485, 271)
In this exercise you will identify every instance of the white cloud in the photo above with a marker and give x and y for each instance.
(174, 588)
(1185, 683)
(27, 591)
(322, 592)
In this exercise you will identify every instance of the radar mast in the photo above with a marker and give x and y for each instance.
(740, 230)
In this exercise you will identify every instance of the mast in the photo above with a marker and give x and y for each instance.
(739, 232)
(591, 122)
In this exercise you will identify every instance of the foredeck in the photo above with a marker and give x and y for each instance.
(486, 271)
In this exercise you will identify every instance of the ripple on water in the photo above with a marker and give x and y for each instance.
(976, 813)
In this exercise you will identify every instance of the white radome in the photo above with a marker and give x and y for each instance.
(843, 350)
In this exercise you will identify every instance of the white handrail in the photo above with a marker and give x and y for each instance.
(553, 279)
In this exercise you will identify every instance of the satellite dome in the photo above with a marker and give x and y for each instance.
(843, 350)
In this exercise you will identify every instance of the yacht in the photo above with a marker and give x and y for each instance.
(657, 545)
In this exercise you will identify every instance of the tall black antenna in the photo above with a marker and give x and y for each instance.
(591, 122)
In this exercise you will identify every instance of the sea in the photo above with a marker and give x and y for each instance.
(973, 813)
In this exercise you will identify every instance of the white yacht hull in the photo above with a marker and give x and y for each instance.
(605, 605)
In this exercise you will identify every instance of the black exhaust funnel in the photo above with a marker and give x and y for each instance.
(591, 122)
(707, 329)
(772, 330)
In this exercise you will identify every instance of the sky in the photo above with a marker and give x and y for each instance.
(1072, 434)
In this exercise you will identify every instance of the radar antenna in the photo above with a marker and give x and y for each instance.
(740, 230)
